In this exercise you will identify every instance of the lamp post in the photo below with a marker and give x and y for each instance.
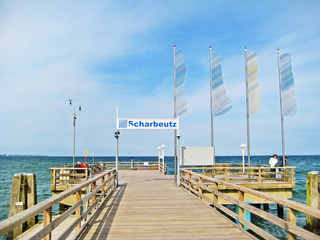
(74, 114)
(243, 146)
(93, 157)
(159, 156)
(116, 135)
(177, 177)
(163, 147)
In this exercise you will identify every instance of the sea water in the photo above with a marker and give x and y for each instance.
(40, 166)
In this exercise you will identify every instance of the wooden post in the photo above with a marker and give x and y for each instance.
(266, 206)
(291, 218)
(312, 198)
(94, 186)
(215, 197)
(31, 196)
(102, 183)
(200, 182)
(241, 210)
(19, 207)
(226, 178)
(259, 177)
(78, 211)
(108, 182)
(190, 177)
(280, 210)
(292, 176)
(47, 218)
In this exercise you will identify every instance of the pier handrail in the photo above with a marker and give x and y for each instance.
(259, 173)
(45, 206)
(194, 182)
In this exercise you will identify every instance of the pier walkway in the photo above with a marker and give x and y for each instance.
(148, 205)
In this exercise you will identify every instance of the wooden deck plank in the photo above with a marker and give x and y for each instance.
(148, 205)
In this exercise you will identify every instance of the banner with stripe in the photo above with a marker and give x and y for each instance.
(288, 95)
(254, 98)
(221, 103)
(180, 75)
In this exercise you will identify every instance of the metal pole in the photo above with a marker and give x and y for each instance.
(247, 102)
(163, 167)
(117, 152)
(281, 111)
(179, 160)
(211, 114)
(174, 112)
(74, 138)
(159, 156)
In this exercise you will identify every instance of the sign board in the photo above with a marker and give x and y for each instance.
(137, 123)
(196, 156)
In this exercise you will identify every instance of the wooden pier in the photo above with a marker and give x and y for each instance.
(147, 205)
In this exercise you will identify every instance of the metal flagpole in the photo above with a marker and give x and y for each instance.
(174, 112)
(247, 102)
(282, 119)
(211, 114)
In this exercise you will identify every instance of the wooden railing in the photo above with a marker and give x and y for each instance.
(258, 174)
(65, 177)
(197, 183)
(135, 165)
(94, 199)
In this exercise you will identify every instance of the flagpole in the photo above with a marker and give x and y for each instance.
(174, 112)
(211, 113)
(281, 111)
(247, 102)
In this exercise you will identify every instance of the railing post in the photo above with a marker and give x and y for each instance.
(108, 182)
(190, 178)
(226, 177)
(94, 186)
(291, 218)
(292, 176)
(47, 218)
(102, 183)
(182, 177)
(241, 210)
(259, 176)
(200, 182)
(78, 211)
(312, 197)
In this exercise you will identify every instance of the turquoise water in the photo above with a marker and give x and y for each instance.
(40, 166)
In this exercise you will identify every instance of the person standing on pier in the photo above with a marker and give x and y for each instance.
(272, 162)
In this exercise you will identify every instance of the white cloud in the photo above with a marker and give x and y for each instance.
(104, 54)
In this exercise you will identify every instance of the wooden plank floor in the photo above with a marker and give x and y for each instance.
(148, 205)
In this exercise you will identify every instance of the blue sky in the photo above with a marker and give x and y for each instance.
(104, 54)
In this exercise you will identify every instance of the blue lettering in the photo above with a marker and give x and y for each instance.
(166, 124)
(161, 124)
(174, 124)
(147, 124)
(141, 124)
(155, 124)
(136, 124)
(130, 123)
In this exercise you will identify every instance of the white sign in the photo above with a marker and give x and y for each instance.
(136, 123)
(197, 156)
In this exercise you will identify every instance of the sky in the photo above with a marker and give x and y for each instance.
(104, 54)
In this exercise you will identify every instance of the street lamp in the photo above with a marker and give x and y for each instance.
(243, 146)
(74, 114)
(159, 156)
(177, 168)
(163, 147)
(116, 135)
